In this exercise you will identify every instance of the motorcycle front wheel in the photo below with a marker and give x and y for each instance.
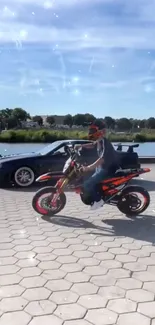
(129, 202)
(41, 201)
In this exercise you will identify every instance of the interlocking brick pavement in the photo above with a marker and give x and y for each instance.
(77, 268)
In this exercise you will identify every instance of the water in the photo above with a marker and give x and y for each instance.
(145, 149)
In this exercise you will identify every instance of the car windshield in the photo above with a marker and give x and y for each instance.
(49, 148)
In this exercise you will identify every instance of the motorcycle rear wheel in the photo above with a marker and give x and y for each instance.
(44, 207)
(129, 203)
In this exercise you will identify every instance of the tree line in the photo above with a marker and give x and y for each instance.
(13, 118)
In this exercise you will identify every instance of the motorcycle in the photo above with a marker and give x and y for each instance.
(115, 190)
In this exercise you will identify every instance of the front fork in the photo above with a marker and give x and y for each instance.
(60, 185)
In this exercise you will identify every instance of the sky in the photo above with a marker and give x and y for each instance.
(78, 56)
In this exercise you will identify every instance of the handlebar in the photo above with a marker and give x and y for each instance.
(72, 151)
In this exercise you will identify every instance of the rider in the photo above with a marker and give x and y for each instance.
(105, 165)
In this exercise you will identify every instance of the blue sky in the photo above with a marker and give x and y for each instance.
(77, 56)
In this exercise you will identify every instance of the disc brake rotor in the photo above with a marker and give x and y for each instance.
(46, 203)
(133, 201)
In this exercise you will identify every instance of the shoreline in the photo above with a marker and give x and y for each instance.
(48, 136)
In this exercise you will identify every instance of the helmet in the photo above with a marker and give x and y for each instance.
(96, 130)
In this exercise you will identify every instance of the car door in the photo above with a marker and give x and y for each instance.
(54, 161)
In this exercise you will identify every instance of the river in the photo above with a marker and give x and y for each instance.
(145, 149)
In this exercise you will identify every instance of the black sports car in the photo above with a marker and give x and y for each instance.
(21, 170)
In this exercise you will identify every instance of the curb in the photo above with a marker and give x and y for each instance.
(147, 160)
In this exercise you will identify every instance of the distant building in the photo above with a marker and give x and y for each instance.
(29, 124)
(59, 120)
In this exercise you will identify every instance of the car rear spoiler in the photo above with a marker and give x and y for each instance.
(130, 146)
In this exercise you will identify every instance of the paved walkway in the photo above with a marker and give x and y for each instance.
(78, 268)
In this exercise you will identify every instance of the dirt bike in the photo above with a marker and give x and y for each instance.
(114, 190)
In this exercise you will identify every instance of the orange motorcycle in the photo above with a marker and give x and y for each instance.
(115, 190)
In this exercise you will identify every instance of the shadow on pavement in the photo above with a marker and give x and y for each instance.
(71, 222)
(147, 184)
(140, 228)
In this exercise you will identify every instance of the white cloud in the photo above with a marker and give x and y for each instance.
(73, 39)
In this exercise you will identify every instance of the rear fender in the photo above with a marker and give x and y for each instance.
(48, 176)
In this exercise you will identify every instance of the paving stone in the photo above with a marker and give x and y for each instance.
(58, 285)
(33, 282)
(53, 274)
(29, 271)
(95, 270)
(111, 264)
(77, 277)
(64, 297)
(66, 259)
(12, 304)
(23, 248)
(112, 292)
(132, 246)
(11, 291)
(16, 318)
(45, 257)
(119, 251)
(150, 286)
(79, 247)
(126, 258)
(48, 320)
(133, 319)
(144, 276)
(140, 295)
(7, 261)
(40, 243)
(147, 309)
(135, 266)
(88, 261)
(47, 265)
(147, 260)
(129, 283)
(9, 279)
(70, 311)
(27, 263)
(151, 269)
(119, 273)
(92, 301)
(150, 248)
(39, 308)
(73, 267)
(77, 272)
(81, 254)
(8, 269)
(43, 250)
(139, 253)
(62, 252)
(101, 317)
(103, 281)
(25, 255)
(36, 294)
(84, 288)
(104, 256)
(121, 306)
(97, 249)
(77, 322)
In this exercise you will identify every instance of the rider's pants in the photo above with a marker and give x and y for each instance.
(90, 184)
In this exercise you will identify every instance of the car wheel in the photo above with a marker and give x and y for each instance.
(24, 177)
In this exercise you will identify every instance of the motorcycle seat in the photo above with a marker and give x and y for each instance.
(123, 172)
